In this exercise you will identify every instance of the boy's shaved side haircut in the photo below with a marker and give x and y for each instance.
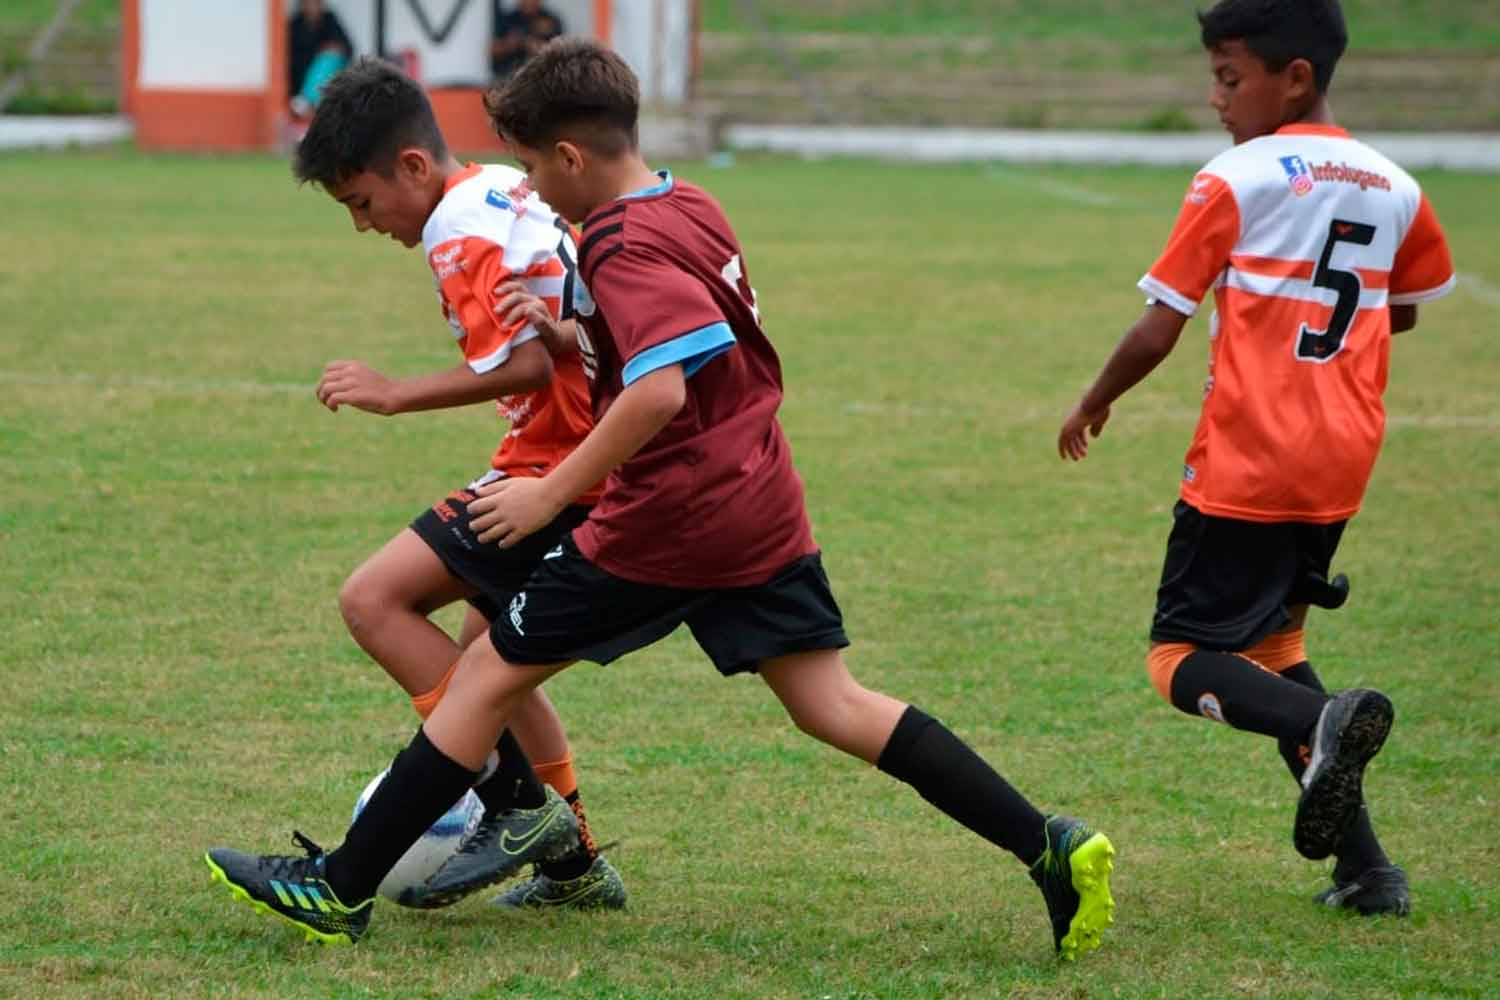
(1278, 31)
(574, 88)
(369, 112)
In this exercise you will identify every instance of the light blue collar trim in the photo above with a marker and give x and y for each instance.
(655, 189)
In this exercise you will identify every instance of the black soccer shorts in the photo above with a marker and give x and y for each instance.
(571, 609)
(495, 572)
(1227, 584)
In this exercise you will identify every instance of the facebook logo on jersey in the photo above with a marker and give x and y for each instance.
(1297, 175)
(498, 200)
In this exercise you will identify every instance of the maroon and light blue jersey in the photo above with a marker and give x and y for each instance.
(712, 501)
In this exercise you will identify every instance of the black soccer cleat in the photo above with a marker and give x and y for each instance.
(1350, 731)
(499, 847)
(292, 888)
(599, 888)
(1372, 892)
(1073, 874)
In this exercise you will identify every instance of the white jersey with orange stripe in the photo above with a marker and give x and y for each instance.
(490, 228)
(491, 225)
(1305, 236)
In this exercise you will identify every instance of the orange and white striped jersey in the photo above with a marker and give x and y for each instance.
(1306, 237)
(490, 227)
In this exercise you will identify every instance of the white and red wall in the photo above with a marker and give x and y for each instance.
(213, 75)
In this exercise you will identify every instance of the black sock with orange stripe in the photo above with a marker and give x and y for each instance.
(1360, 849)
(1231, 689)
(946, 772)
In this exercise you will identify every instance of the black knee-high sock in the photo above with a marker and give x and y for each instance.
(422, 784)
(944, 771)
(1360, 849)
(1231, 689)
(514, 785)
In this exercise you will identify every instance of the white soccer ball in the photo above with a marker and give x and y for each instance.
(437, 845)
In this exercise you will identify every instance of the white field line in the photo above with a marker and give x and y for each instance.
(1479, 288)
(1076, 194)
(1122, 419)
(1020, 418)
(156, 383)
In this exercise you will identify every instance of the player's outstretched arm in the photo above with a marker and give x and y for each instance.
(356, 384)
(509, 510)
(1143, 347)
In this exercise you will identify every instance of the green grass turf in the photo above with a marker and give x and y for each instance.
(176, 514)
(38, 13)
(1383, 24)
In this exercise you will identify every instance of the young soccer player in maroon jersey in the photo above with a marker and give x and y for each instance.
(702, 521)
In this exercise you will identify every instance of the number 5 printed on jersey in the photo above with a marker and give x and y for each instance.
(1320, 346)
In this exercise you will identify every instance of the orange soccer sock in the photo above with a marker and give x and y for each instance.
(427, 701)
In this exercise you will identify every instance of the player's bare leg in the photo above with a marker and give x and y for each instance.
(1069, 861)
(386, 601)
(385, 604)
(827, 703)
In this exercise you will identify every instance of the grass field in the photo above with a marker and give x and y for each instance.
(1383, 24)
(176, 514)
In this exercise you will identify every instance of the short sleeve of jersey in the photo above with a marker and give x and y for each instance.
(468, 269)
(1423, 268)
(659, 314)
(1208, 227)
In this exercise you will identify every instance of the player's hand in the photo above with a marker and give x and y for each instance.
(515, 304)
(356, 384)
(508, 510)
(1072, 441)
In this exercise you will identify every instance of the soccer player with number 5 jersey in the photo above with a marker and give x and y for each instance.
(1317, 249)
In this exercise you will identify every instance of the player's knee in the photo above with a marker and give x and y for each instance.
(358, 602)
(831, 719)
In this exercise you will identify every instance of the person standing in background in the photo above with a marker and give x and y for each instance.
(317, 48)
(518, 33)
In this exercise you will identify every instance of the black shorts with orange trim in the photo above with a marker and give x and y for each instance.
(571, 609)
(1227, 584)
(495, 572)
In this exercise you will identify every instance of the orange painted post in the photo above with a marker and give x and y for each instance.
(276, 95)
(603, 20)
(130, 54)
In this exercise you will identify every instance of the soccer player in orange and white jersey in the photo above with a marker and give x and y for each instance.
(1317, 249)
(503, 264)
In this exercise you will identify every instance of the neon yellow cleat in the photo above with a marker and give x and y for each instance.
(1073, 874)
(293, 889)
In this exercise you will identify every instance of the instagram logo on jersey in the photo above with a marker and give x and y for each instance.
(1297, 175)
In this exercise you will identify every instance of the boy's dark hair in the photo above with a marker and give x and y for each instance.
(1278, 31)
(369, 112)
(573, 88)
